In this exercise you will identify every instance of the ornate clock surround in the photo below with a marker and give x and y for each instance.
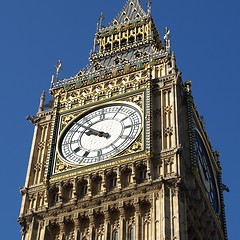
(136, 150)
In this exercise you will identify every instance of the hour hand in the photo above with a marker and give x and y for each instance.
(97, 133)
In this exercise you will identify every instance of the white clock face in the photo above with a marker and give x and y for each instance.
(101, 133)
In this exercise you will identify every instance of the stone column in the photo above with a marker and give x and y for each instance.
(155, 209)
(174, 193)
(133, 177)
(62, 228)
(149, 175)
(103, 187)
(31, 228)
(74, 193)
(42, 231)
(106, 223)
(60, 193)
(119, 178)
(89, 186)
(121, 229)
(137, 216)
(91, 225)
(76, 226)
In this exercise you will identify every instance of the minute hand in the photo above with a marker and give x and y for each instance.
(94, 132)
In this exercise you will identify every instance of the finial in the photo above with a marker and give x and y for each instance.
(58, 67)
(149, 7)
(42, 100)
(101, 18)
(188, 85)
(167, 39)
(97, 28)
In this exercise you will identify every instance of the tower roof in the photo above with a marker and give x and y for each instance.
(131, 11)
(131, 39)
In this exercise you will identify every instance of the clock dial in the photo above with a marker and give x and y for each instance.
(101, 133)
(205, 171)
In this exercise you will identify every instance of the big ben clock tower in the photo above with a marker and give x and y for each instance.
(121, 152)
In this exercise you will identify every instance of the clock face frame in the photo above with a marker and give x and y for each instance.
(205, 171)
(100, 133)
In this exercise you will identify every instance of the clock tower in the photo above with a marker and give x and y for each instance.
(121, 151)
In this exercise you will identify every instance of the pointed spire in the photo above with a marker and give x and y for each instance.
(101, 18)
(149, 7)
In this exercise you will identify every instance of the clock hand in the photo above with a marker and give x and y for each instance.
(92, 131)
(97, 133)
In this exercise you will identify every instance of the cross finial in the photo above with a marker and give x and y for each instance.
(101, 18)
(149, 7)
(58, 68)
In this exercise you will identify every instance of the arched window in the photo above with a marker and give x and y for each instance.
(53, 196)
(144, 174)
(115, 235)
(67, 192)
(139, 37)
(81, 189)
(84, 190)
(96, 185)
(123, 42)
(115, 44)
(113, 182)
(131, 233)
(108, 47)
(131, 39)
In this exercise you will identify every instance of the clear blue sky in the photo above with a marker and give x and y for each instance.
(35, 34)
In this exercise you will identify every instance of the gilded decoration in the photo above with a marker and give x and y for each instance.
(81, 85)
(61, 166)
(100, 92)
(66, 119)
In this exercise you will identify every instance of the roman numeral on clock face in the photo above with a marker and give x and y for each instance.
(77, 149)
(86, 154)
